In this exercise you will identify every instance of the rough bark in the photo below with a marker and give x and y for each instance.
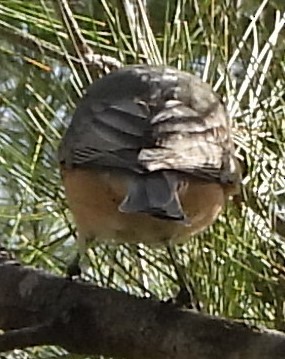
(37, 308)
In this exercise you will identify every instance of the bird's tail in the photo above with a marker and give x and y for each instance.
(156, 194)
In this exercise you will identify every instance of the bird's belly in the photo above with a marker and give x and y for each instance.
(94, 199)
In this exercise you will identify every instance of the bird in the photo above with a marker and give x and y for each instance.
(148, 157)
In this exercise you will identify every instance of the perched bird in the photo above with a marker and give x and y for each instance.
(148, 157)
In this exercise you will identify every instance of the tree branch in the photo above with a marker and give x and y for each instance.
(37, 308)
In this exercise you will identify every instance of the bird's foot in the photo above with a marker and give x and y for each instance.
(185, 300)
(73, 268)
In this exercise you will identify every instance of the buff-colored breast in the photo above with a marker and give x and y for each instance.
(94, 199)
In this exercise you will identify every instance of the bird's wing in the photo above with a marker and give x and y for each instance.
(190, 142)
(107, 135)
(145, 119)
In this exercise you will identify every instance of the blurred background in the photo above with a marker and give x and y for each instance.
(50, 52)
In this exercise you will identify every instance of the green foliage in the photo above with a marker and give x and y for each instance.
(237, 266)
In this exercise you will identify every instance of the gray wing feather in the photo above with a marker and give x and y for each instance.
(189, 142)
(105, 135)
(160, 119)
